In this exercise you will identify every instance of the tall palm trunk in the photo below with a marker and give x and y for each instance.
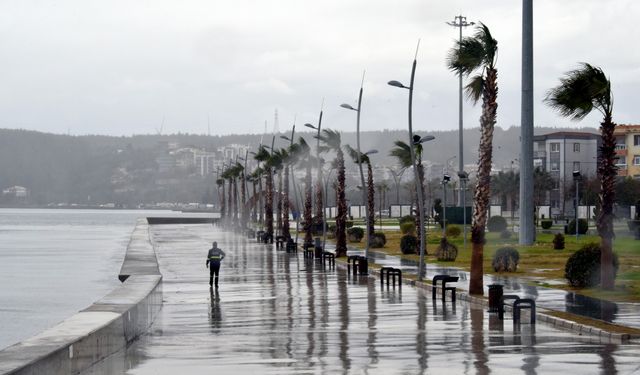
(268, 206)
(279, 204)
(223, 205)
(371, 199)
(260, 202)
(235, 201)
(285, 205)
(230, 202)
(319, 200)
(308, 219)
(254, 212)
(607, 174)
(341, 218)
(420, 209)
(483, 185)
(243, 197)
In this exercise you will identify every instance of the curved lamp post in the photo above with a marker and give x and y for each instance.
(360, 156)
(413, 163)
(320, 187)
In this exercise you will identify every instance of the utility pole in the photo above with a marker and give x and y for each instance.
(527, 229)
(460, 22)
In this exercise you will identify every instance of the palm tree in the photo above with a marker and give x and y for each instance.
(264, 156)
(402, 153)
(220, 183)
(290, 156)
(579, 92)
(478, 53)
(277, 161)
(331, 141)
(302, 153)
(256, 177)
(363, 158)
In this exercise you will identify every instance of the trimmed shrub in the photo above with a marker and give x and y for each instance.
(409, 244)
(408, 227)
(505, 234)
(582, 227)
(355, 234)
(348, 224)
(496, 224)
(546, 224)
(558, 241)
(505, 260)
(446, 251)
(583, 267)
(453, 230)
(407, 219)
(378, 240)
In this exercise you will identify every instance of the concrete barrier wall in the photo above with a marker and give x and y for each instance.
(103, 328)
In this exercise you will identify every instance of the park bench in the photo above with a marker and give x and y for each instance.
(444, 279)
(292, 246)
(358, 262)
(391, 272)
(280, 241)
(517, 305)
(330, 257)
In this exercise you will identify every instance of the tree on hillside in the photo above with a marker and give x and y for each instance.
(579, 92)
(479, 52)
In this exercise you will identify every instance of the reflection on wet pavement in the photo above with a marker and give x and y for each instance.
(555, 299)
(276, 314)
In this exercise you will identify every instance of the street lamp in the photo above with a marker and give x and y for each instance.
(413, 163)
(320, 192)
(360, 156)
(445, 180)
(464, 177)
(460, 22)
(576, 177)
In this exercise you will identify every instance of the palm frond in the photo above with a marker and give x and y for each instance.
(262, 154)
(331, 138)
(467, 56)
(490, 45)
(474, 88)
(580, 91)
(356, 156)
(402, 153)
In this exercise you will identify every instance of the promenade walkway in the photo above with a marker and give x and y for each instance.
(276, 314)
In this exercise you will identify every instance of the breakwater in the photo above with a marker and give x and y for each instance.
(101, 329)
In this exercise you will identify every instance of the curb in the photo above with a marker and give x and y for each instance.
(559, 323)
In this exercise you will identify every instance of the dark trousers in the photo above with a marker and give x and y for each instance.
(214, 269)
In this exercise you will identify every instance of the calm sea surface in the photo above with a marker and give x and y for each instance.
(54, 263)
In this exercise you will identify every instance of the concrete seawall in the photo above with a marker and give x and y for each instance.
(101, 329)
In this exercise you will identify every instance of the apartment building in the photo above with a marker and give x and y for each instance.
(562, 153)
(628, 150)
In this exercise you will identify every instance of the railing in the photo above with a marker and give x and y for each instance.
(621, 147)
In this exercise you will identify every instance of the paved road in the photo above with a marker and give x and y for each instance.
(274, 314)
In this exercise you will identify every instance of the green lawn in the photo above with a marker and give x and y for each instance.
(540, 262)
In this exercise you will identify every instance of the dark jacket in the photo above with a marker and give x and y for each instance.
(215, 255)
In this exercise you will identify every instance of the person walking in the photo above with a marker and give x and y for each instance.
(214, 257)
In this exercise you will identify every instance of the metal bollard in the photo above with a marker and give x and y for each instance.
(495, 297)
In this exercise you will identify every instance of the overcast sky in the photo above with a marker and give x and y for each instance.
(119, 67)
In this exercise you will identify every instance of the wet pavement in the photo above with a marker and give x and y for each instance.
(627, 314)
(276, 314)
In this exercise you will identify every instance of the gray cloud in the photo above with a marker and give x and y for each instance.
(119, 67)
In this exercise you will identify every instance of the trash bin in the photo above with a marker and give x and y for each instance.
(495, 295)
(363, 266)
